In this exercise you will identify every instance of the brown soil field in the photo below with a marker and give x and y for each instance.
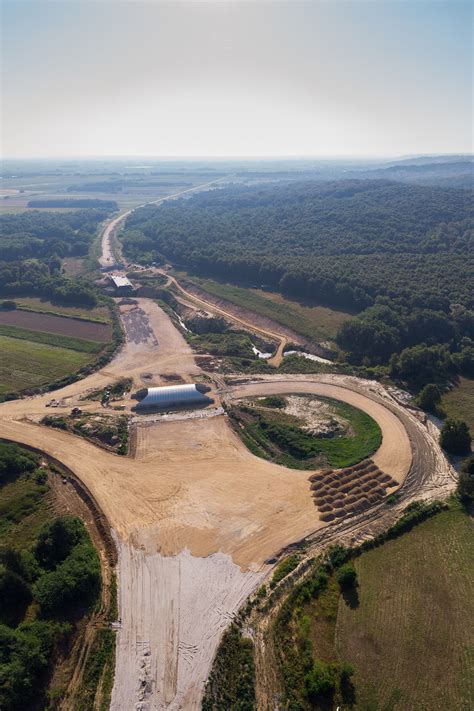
(63, 326)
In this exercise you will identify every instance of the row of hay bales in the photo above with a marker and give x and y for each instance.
(349, 491)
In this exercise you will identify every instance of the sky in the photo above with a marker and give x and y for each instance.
(236, 78)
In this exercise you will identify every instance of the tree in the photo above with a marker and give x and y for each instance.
(429, 398)
(347, 576)
(455, 437)
(320, 680)
(465, 489)
(57, 539)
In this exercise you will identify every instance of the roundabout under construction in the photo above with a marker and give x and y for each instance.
(195, 516)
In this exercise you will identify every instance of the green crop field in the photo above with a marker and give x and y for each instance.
(411, 639)
(459, 402)
(51, 339)
(27, 364)
(317, 323)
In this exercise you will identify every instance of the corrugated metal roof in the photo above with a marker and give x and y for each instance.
(173, 395)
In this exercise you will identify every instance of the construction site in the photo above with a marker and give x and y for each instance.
(197, 520)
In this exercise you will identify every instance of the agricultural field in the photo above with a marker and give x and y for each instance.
(410, 637)
(316, 323)
(40, 347)
(25, 364)
(78, 329)
(459, 402)
(375, 633)
(126, 185)
(304, 432)
(32, 303)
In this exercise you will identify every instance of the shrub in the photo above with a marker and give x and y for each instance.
(465, 488)
(74, 583)
(320, 681)
(429, 398)
(455, 437)
(346, 576)
(57, 539)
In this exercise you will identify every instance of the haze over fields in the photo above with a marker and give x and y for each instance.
(232, 78)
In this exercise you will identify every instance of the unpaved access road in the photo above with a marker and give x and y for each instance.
(195, 515)
(107, 258)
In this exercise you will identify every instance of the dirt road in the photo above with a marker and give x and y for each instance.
(107, 258)
(280, 339)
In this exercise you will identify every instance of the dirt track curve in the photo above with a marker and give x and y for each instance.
(193, 513)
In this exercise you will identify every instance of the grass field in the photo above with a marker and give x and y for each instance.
(26, 364)
(51, 339)
(316, 323)
(274, 435)
(459, 402)
(98, 313)
(411, 639)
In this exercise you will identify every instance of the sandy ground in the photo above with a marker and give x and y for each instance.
(195, 514)
(182, 605)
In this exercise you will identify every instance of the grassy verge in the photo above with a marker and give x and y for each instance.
(51, 339)
(459, 402)
(231, 684)
(273, 435)
(317, 323)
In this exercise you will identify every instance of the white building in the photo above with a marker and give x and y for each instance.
(171, 396)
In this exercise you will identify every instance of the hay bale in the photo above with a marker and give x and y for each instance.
(319, 500)
(391, 483)
(317, 476)
(338, 504)
(325, 507)
(367, 486)
(340, 513)
(327, 517)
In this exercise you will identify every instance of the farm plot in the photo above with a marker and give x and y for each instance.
(25, 364)
(32, 303)
(410, 638)
(60, 325)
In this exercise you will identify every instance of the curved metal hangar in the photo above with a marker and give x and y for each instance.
(172, 396)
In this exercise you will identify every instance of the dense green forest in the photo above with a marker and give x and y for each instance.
(32, 246)
(400, 255)
(49, 578)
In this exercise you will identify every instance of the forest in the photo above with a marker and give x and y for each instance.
(50, 578)
(398, 255)
(32, 246)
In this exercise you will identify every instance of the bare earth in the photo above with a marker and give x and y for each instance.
(195, 515)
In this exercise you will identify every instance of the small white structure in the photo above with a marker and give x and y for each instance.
(121, 283)
(171, 396)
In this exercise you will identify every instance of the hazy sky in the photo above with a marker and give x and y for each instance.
(225, 78)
